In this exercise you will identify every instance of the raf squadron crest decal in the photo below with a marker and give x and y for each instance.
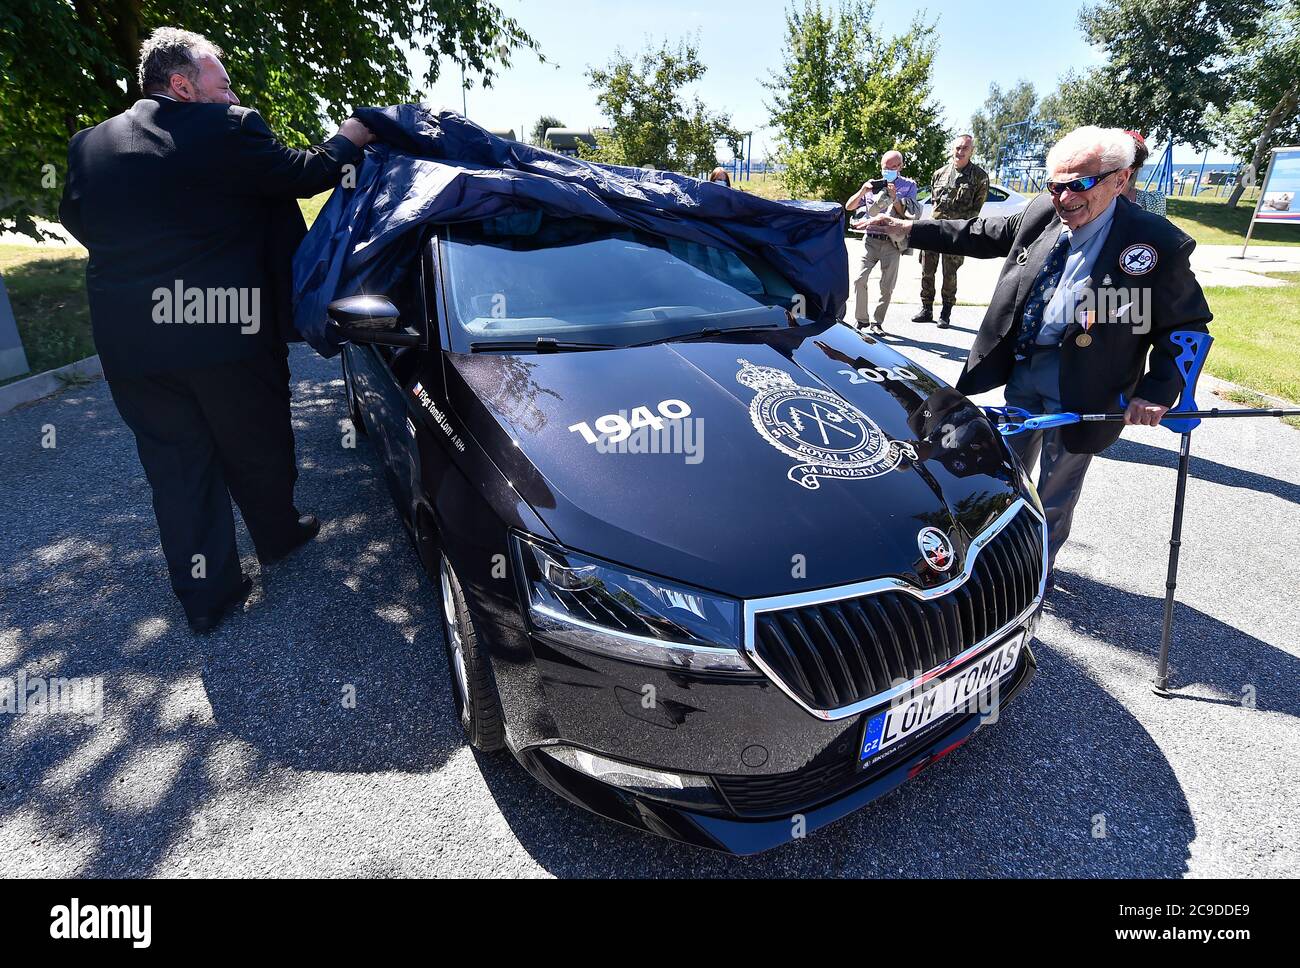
(829, 437)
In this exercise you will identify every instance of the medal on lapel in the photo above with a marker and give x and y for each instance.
(1086, 319)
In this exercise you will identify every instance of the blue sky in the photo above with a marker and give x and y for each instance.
(740, 43)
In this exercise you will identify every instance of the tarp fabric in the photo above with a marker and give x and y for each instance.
(438, 167)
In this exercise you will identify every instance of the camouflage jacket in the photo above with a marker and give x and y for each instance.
(959, 194)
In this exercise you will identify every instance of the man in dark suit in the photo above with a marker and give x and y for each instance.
(1092, 285)
(186, 204)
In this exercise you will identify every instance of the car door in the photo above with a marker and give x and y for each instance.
(384, 377)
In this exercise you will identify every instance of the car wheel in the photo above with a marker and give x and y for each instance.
(473, 689)
(350, 393)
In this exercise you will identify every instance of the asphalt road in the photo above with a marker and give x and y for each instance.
(235, 755)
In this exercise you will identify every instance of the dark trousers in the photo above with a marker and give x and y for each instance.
(1036, 386)
(205, 436)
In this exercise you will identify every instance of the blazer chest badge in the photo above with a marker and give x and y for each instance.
(1138, 260)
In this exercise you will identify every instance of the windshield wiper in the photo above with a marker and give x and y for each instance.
(709, 331)
(543, 344)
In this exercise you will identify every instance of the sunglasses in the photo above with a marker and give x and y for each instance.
(1087, 183)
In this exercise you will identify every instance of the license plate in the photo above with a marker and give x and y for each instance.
(915, 712)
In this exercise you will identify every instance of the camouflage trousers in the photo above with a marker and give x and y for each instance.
(929, 266)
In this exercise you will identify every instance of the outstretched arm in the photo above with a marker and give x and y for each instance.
(980, 238)
(264, 166)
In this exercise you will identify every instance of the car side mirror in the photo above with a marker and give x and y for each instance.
(370, 319)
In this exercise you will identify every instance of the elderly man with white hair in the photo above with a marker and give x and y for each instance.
(1092, 285)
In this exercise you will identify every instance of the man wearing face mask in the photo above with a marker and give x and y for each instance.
(1092, 285)
(890, 194)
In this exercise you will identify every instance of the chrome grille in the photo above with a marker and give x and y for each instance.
(832, 654)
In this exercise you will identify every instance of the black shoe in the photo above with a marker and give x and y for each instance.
(206, 624)
(924, 316)
(945, 317)
(308, 528)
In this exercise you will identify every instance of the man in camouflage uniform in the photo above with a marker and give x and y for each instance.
(958, 191)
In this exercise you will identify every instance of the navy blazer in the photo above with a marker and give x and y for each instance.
(1145, 255)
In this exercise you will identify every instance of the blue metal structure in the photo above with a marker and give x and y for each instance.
(1163, 173)
(1021, 162)
(741, 168)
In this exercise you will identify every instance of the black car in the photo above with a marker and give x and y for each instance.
(706, 568)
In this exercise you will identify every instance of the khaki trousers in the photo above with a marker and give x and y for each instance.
(882, 253)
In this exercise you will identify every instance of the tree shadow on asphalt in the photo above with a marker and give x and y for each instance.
(1022, 799)
(1205, 651)
(187, 720)
(1133, 452)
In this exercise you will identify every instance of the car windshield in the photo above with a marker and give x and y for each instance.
(520, 278)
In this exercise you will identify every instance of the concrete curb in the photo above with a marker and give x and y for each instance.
(47, 384)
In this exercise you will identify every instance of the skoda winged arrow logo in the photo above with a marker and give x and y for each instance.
(936, 549)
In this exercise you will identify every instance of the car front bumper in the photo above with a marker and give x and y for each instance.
(776, 772)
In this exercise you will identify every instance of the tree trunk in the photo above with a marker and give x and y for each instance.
(125, 35)
(1285, 105)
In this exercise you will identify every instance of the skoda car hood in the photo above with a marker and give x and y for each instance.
(811, 457)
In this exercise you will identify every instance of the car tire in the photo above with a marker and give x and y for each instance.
(350, 395)
(474, 691)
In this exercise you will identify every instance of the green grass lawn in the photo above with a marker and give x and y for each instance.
(311, 206)
(47, 288)
(764, 185)
(1257, 336)
(1210, 222)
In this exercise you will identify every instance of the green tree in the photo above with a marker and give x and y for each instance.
(68, 64)
(1266, 71)
(544, 124)
(1001, 108)
(846, 94)
(1167, 63)
(1072, 103)
(652, 122)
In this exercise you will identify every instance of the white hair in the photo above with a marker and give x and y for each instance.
(1115, 146)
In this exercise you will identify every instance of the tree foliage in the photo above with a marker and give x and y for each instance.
(652, 121)
(1196, 72)
(1266, 111)
(544, 124)
(1014, 105)
(1167, 63)
(846, 94)
(68, 64)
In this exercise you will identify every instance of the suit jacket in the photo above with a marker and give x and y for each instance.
(188, 212)
(1145, 257)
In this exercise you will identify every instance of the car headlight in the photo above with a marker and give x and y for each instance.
(598, 607)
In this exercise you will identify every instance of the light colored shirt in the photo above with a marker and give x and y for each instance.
(1085, 246)
(903, 188)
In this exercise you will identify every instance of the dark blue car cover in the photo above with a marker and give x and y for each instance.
(428, 167)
